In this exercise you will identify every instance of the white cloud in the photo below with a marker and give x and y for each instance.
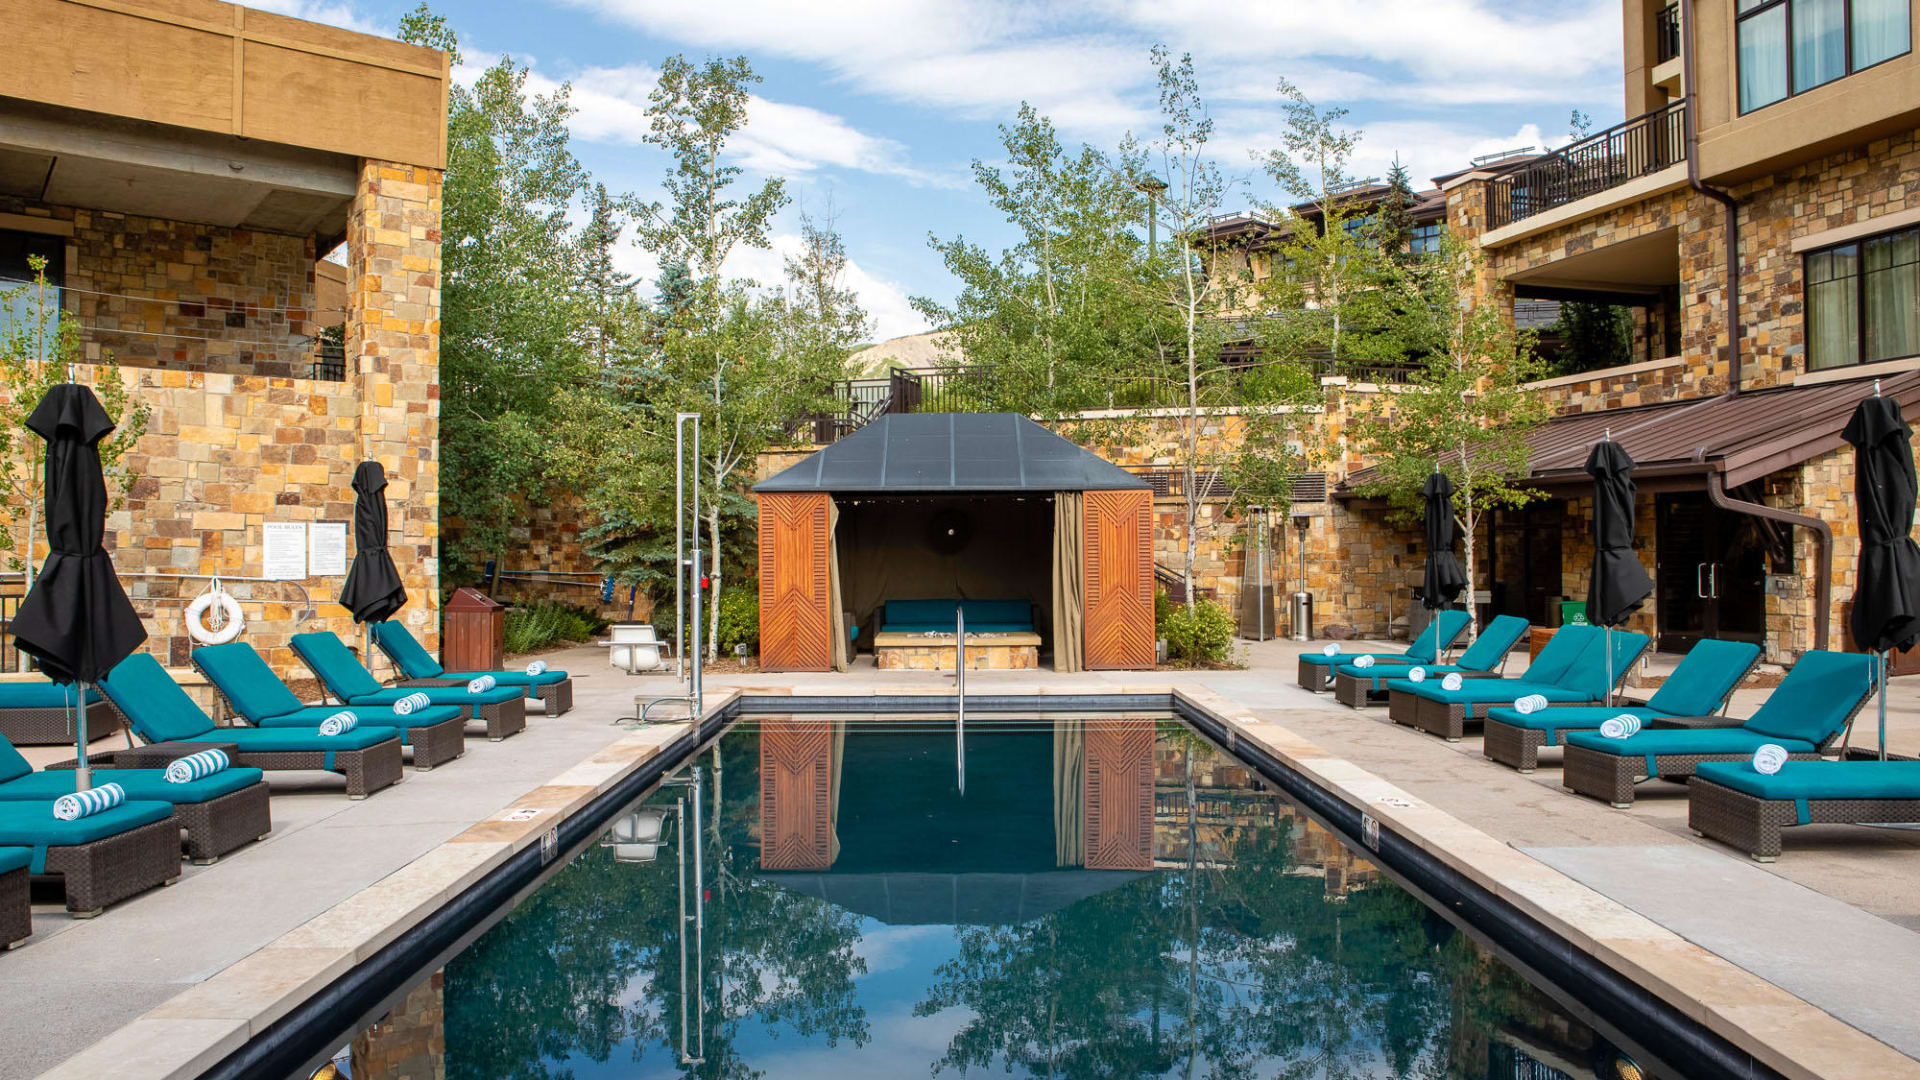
(890, 313)
(343, 15)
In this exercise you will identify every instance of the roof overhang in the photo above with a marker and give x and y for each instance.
(951, 453)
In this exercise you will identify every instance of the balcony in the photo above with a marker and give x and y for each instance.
(1666, 34)
(1639, 147)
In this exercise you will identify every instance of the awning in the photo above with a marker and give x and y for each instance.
(1743, 438)
(952, 452)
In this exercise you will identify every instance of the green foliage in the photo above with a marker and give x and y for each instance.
(1593, 336)
(547, 623)
(1199, 633)
(739, 619)
(35, 351)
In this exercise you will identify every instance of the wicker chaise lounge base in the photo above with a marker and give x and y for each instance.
(503, 718)
(1753, 824)
(1314, 676)
(110, 870)
(1447, 719)
(1612, 777)
(1357, 691)
(220, 825)
(438, 744)
(1515, 747)
(16, 908)
(555, 698)
(52, 726)
(366, 771)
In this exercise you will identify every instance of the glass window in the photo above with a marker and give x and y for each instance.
(1425, 239)
(1890, 284)
(1789, 46)
(16, 277)
(1833, 308)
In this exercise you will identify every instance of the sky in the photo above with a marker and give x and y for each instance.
(876, 108)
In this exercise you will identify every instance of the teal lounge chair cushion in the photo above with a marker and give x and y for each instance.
(1590, 675)
(141, 784)
(12, 765)
(1819, 779)
(1706, 675)
(1650, 744)
(240, 673)
(40, 694)
(158, 708)
(1560, 652)
(15, 858)
(1496, 640)
(413, 660)
(1483, 691)
(309, 716)
(441, 695)
(514, 678)
(32, 825)
(1439, 634)
(334, 663)
(1815, 700)
(1566, 719)
(283, 740)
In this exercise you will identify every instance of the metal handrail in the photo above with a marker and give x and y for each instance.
(1638, 147)
(1666, 34)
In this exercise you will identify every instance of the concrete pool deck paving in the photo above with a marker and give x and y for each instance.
(169, 991)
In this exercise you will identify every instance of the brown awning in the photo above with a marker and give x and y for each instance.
(1743, 438)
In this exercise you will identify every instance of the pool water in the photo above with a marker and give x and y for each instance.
(1080, 898)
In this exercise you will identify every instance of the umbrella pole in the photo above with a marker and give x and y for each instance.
(1608, 696)
(82, 776)
(1883, 704)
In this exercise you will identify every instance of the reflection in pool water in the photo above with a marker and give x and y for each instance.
(1108, 899)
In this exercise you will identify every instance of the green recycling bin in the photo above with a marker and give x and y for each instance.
(1573, 613)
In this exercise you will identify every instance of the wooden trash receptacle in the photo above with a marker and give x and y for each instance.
(1537, 638)
(476, 632)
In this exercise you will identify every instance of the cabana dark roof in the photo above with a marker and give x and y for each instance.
(1744, 437)
(952, 452)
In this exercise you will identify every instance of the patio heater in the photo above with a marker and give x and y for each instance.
(1256, 592)
(1300, 606)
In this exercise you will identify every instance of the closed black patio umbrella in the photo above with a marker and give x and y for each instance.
(1620, 584)
(1886, 586)
(76, 620)
(372, 591)
(1444, 581)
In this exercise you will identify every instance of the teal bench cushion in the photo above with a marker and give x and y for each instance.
(1482, 691)
(32, 824)
(283, 740)
(1686, 741)
(156, 705)
(1496, 640)
(1818, 695)
(407, 654)
(1559, 653)
(334, 663)
(12, 764)
(508, 678)
(1589, 674)
(1819, 779)
(442, 695)
(255, 691)
(40, 694)
(1342, 660)
(939, 616)
(15, 858)
(309, 716)
(1567, 718)
(143, 784)
(1706, 675)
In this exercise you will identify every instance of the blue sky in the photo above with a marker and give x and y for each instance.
(877, 107)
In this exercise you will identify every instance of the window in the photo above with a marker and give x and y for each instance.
(1425, 239)
(1863, 301)
(1791, 46)
(16, 277)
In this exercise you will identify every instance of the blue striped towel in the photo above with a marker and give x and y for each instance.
(538, 667)
(194, 766)
(340, 723)
(480, 685)
(1452, 681)
(91, 801)
(1417, 674)
(1769, 758)
(1620, 727)
(1532, 703)
(411, 702)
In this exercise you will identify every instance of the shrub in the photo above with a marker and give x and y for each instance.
(546, 623)
(739, 618)
(1202, 636)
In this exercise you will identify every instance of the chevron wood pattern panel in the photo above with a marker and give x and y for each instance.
(796, 629)
(796, 820)
(1118, 796)
(1118, 536)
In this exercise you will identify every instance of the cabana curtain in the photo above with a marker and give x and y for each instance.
(836, 611)
(1069, 583)
(1069, 784)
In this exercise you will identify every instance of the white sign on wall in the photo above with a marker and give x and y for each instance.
(327, 549)
(283, 550)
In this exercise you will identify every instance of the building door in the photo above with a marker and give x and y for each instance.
(1710, 573)
(1526, 572)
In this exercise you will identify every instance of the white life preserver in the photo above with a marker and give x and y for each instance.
(231, 621)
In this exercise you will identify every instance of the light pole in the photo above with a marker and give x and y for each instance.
(1152, 187)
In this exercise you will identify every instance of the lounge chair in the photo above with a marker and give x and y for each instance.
(219, 812)
(16, 903)
(159, 711)
(1698, 687)
(504, 708)
(254, 693)
(1585, 681)
(553, 688)
(102, 858)
(1316, 669)
(1736, 804)
(1803, 715)
(38, 712)
(1360, 687)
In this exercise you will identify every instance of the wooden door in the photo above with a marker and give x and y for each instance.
(796, 627)
(1118, 796)
(796, 812)
(1117, 531)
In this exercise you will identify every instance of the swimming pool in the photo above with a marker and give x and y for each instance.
(1064, 897)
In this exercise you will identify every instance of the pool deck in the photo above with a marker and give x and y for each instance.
(1809, 962)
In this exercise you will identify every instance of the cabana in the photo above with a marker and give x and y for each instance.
(876, 540)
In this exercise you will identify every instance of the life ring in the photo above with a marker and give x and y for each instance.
(231, 621)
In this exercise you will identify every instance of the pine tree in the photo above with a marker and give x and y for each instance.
(1393, 222)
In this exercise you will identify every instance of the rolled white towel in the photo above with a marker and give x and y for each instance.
(342, 722)
(91, 801)
(1363, 662)
(480, 685)
(1620, 727)
(538, 667)
(1417, 674)
(1453, 681)
(194, 766)
(412, 703)
(1531, 703)
(1769, 758)
(1331, 648)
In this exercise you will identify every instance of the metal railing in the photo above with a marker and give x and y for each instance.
(1639, 147)
(330, 363)
(1666, 34)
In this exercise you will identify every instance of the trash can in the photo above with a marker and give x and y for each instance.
(476, 634)
(1300, 616)
(1417, 615)
(1573, 613)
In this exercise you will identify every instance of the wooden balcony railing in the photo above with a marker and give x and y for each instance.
(1627, 151)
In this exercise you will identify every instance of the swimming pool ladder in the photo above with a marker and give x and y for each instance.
(960, 696)
(699, 922)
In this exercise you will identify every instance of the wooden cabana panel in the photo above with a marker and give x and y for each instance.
(1118, 796)
(796, 625)
(796, 813)
(1118, 533)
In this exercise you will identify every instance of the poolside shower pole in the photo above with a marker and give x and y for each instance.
(699, 909)
(679, 547)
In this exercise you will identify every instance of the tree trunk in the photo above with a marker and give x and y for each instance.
(713, 575)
